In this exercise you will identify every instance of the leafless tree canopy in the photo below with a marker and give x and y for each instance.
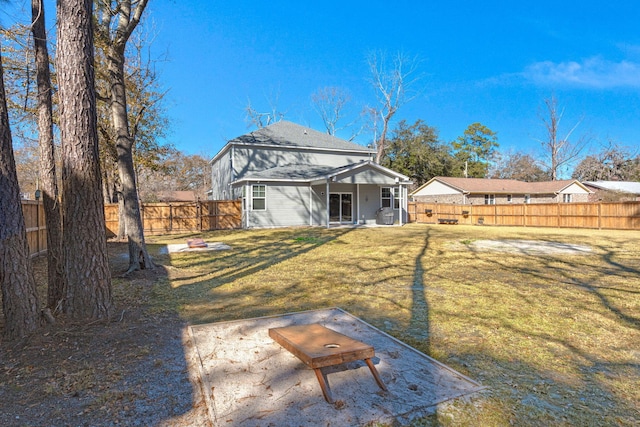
(395, 83)
(559, 150)
(261, 118)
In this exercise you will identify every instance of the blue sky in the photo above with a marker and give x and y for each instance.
(493, 62)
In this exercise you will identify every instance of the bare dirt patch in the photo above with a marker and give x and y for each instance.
(253, 381)
(527, 247)
(133, 370)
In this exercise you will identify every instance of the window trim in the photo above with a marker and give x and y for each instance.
(566, 197)
(254, 197)
(489, 199)
(394, 197)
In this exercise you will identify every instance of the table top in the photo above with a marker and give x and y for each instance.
(318, 346)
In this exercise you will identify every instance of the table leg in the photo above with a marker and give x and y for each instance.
(324, 386)
(374, 371)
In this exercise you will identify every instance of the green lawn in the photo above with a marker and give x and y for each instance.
(555, 338)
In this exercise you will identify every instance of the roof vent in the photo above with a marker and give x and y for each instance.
(305, 131)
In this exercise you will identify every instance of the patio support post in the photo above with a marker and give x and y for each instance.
(327, 193)
(358, 203)
(401, 204)
(310, 205)
(247, 203)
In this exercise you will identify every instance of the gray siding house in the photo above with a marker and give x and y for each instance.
(290, 175)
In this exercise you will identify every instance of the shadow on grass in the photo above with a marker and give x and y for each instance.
(544, 364)
(251, 253)
(572, 318)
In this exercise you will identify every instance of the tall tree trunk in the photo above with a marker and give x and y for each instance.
(138, 255)
(48, 180)
(127, 20)
(87, 275)
(19, 294)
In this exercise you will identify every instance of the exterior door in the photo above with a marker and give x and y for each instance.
(341, 207)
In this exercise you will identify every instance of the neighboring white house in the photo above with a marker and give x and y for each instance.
(478, 191)
(618, 190)
(289, 175)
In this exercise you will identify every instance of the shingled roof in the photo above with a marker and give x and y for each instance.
(284, 133)
(307, 173)
(503, 186)
(623, 186)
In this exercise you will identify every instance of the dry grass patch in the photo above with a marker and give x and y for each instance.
(554, 336)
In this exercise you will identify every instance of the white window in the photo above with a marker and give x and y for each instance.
(390, 196)
(527, 198)
(489, 199)
(385, 197)
(566, 198)
(259, 197)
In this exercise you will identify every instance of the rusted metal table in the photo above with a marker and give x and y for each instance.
(318, 346)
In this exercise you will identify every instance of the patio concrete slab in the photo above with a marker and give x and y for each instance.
(250, 380)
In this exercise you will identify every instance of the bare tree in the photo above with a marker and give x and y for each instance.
(394, 84)
(559, 150)
(87, 274)
(116, 21)
(265, 118)
(19, 295)
(48, 176)
(329, 102)
(612, 163)
(517, 165)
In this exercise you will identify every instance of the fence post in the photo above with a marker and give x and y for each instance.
(199, 214)
(599, 215)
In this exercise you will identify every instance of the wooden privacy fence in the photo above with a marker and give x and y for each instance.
(35, 225)
(166, 218)
(157, 218)
(620, 215)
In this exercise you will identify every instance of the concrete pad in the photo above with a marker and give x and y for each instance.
(250, 380)
(530, 247)
(184, 247)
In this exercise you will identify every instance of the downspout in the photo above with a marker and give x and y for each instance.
(231, 157)
(233, 172)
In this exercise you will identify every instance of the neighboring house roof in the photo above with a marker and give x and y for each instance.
(310, 173)
(177, 196)
(622, 186)
(288, 134)
(503, 186)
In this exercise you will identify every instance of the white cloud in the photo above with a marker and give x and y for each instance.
(593, 72)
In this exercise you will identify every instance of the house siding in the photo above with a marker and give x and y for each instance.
(369, 203)
(295, 196)
(221, 177)
(437, 188)
(284, 207)
(366, 177)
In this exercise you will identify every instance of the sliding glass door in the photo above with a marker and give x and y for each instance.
(341, 207)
